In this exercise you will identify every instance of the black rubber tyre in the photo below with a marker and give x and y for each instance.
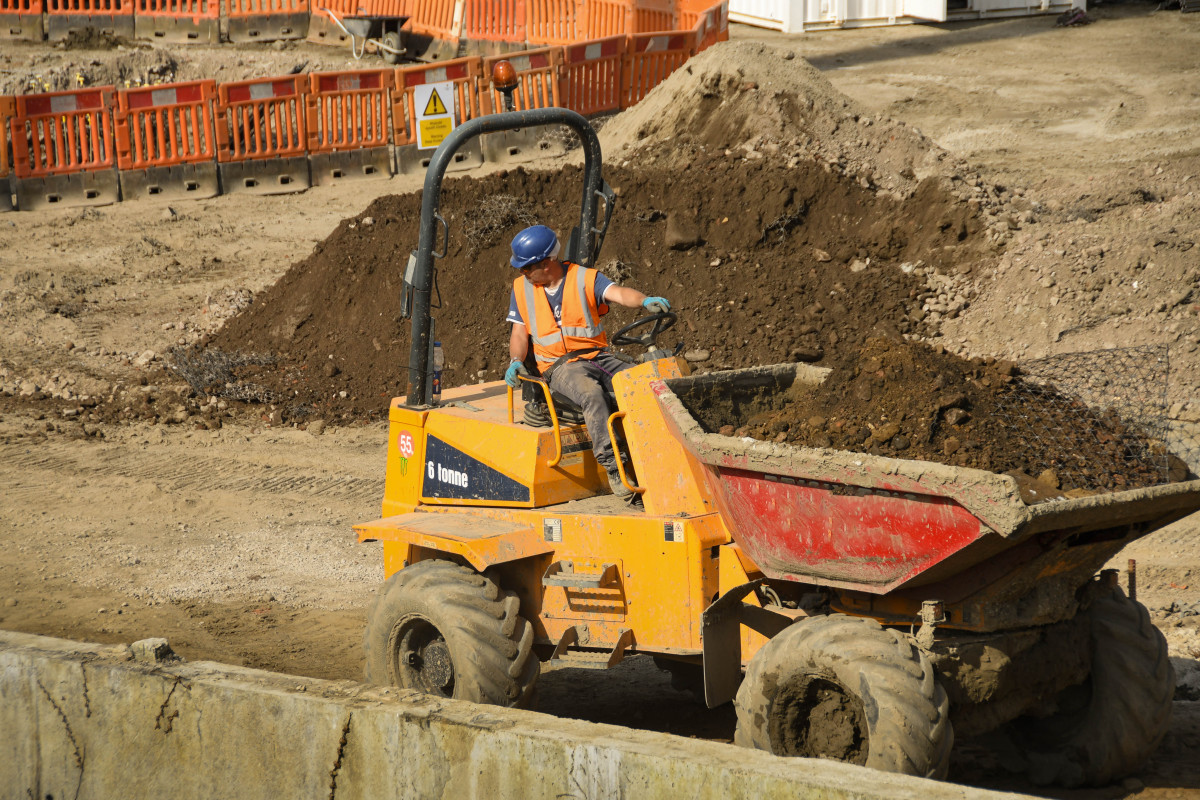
(847, 689)
(1105, 728)
(445, 630)
(391, 39)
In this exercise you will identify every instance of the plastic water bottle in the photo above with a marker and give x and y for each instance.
(439, 361)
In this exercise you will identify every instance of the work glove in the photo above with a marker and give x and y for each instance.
(514, 369)
(656, 305)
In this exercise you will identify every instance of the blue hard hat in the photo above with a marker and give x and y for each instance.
(532, 245)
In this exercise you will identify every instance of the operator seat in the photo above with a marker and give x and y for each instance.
(537, 415)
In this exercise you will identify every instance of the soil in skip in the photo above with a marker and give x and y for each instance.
(906, 399)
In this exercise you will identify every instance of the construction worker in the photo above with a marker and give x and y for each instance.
(563, 304)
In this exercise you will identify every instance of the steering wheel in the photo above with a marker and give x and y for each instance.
(662, 321)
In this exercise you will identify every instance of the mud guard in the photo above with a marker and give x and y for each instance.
(480, 540)
(721, 639)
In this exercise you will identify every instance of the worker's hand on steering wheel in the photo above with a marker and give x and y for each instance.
(656, 305)
(514, 369)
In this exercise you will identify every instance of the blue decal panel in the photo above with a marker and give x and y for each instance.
(453, 475)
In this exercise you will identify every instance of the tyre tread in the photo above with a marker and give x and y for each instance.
(915, 729)
(491, 644)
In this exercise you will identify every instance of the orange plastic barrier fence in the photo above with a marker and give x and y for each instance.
(348, 110)
(343, 8)
(8, 107)
(590, 79)
(494, 20)
(361, 8)
(470, 95)
(358, 8)
(177, 20)
(718, 24)
(652, 57)
(654, 15)
(552, 22)
(21, 19)
(263, 20)
(537, 76)
(90, 8)
(716, 18)
(194, 10)
(432, 18)
(262, 118)
(603, 18)
(63, 132)
(262, 8)
(15, 14)
(321, 25)
(163, 126)
(705, 24)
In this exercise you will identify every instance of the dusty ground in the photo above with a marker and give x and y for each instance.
(231, 537)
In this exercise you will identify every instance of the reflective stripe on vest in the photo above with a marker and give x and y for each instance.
(554, 341)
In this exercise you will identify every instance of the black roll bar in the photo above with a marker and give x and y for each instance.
(580, 249)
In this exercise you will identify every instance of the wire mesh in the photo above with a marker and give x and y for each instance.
(1097, 420)
(493, 216)
(1183, 440)
(214, 373)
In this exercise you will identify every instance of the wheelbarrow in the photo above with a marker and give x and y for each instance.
(381, 31)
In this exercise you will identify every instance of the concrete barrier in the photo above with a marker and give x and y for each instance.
(93, 721)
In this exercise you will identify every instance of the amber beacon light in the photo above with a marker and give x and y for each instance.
(504, 79)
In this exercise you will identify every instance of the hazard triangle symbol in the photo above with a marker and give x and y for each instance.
(435, 105)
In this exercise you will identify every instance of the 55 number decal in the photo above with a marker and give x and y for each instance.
(406, 446)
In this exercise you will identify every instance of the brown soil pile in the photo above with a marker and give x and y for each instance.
(766, 261)
(92, 39)
(908, 400)
(135, 65)
(751, 98)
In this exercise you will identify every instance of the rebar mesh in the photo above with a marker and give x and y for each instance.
(1097, 420)
(494, 215)
(214, 373)
(1183, 440)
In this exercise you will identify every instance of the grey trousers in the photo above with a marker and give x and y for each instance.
(588, 384)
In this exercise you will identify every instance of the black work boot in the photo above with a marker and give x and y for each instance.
(616, 484)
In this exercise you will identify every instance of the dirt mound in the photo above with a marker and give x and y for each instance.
(132, 65)
(92, 39)
(908, 400)
(766, 261)
(749, 97)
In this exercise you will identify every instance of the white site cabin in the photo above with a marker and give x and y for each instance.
(797, 16)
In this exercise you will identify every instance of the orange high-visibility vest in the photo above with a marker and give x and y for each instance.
(582, 326)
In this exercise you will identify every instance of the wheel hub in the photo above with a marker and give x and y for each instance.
(437, 669)
(818, 718)
(422, 658)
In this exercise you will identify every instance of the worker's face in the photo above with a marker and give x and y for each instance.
(542, 272)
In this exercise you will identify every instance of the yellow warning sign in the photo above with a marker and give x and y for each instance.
(434, 106)
(433, 131)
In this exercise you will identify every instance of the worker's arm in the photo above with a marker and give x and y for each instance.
(518, 346)
(632, 298)
(624, 296)
(518, 342)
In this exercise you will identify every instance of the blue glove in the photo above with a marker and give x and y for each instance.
(661, 302)
(514, 369)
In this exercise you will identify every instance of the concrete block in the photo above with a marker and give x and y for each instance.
(88, 721)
